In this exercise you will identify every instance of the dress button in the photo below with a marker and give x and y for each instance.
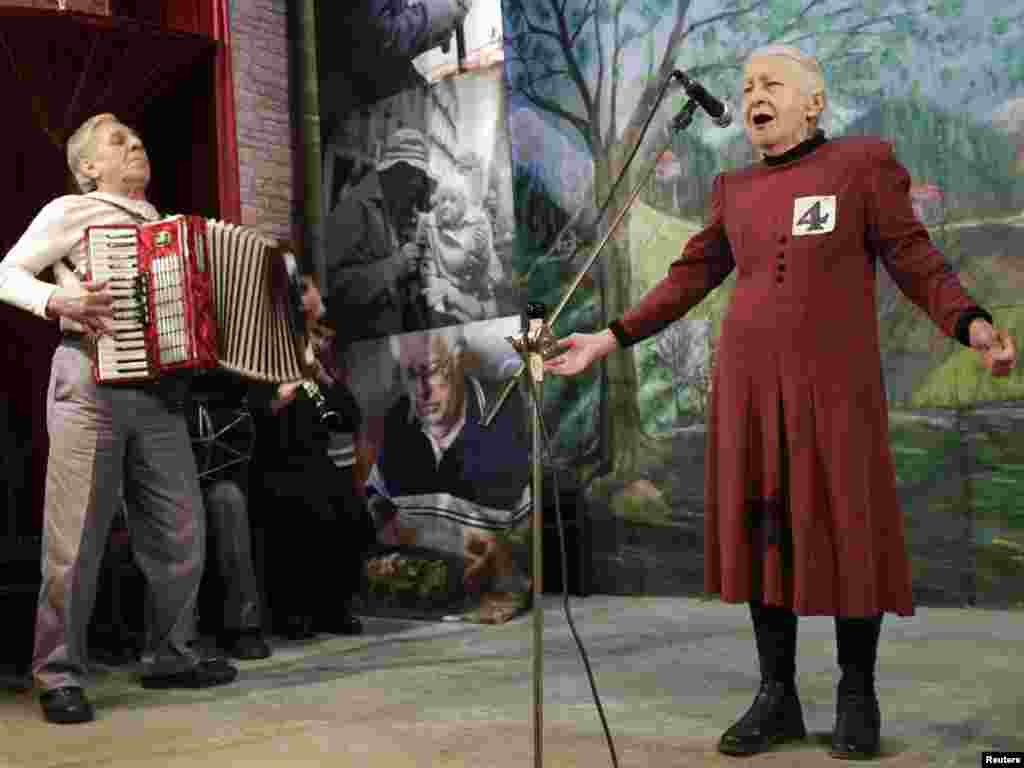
(782, 238)
(782, 255)
(782, 267)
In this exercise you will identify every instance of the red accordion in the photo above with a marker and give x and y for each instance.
(191, 293)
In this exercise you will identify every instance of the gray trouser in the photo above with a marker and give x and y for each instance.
(229, 520)
(105, 440)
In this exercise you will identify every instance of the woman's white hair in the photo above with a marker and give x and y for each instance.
(80, 147)
(452, 186)
(814, 82)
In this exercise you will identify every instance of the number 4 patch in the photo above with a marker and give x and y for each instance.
(814, 215)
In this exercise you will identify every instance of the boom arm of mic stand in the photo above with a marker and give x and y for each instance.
(680, 122)
(460, 46)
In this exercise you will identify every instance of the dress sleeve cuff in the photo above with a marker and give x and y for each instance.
(963, 323)
(621, 335)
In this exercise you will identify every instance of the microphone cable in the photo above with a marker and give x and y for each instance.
(546, 440)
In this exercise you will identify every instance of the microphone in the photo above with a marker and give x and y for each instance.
(717, 110)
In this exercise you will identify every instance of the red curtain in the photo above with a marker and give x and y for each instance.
(211, 18)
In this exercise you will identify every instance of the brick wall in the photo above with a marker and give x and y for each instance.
(260, 41)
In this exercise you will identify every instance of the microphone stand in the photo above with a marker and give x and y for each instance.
(534, 345)
(460, 45)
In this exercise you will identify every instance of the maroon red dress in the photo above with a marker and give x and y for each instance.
(801, 504)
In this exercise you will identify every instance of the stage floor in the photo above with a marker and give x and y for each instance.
(672, 674)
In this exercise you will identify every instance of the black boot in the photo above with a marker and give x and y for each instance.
(857, 733)
(776, 715)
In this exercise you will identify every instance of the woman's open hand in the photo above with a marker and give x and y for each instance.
(579, 351)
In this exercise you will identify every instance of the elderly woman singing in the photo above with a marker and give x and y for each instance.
(802, 517)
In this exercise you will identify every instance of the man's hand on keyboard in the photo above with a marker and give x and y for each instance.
(92, 305)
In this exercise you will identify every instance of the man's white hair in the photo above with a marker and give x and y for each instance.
(814, 81)
(80, 147)
(453, 336)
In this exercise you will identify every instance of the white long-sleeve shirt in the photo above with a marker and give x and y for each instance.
(57, 232)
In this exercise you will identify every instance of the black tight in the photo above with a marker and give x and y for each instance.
(856, 644)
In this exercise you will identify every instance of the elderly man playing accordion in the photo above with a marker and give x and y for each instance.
(802, 516)
(105, 438)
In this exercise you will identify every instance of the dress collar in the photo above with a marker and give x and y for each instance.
(800, 150)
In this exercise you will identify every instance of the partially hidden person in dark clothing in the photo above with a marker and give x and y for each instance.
(318, 529)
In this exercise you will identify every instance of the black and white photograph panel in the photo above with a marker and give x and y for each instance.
(418, 210)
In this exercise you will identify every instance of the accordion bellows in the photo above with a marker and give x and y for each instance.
(194, 293)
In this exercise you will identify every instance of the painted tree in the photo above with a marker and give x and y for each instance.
(598, 65)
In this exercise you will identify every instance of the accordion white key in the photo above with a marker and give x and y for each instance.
(113, 255)
(194, 293)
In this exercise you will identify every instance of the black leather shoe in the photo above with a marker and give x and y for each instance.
(66, 705)
(857, 735)
(244, 644)
(775, 717)
(342, 624)
(205, 674)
